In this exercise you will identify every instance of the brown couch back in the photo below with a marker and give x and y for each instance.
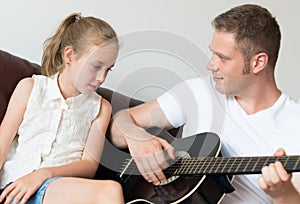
(13, 69)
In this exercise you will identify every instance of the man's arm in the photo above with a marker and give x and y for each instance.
(128, 130)
(279, 184)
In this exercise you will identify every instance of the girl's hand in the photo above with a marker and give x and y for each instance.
(24, 187)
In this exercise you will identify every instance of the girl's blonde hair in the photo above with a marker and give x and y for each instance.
(78, 32)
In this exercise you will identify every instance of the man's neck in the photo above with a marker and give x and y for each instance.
(259, 98)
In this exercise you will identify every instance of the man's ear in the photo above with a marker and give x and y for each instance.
(68, 55)
(259, 62)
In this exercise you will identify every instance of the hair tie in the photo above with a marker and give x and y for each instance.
(78, 17)
(75, 19)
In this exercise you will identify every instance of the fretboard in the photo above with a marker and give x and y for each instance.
(231, 165)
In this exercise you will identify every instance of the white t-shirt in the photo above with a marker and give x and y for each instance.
(195, 104)
(53, 131)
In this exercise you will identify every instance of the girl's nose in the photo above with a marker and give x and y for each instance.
(101, 77)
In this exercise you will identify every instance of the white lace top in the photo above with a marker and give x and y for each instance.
(53, 131)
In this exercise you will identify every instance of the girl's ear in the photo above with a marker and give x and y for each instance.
(68, 55)
(259, 62)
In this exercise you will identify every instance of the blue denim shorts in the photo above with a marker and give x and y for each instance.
(37, 197)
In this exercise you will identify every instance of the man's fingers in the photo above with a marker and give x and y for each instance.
(154, 163)
(145, 168)
(284, 175)
(273, 175)
(280, 152)
(161, 160)
(262, 183)
(168, 148)
(266, 175)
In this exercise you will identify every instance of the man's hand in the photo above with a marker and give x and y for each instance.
(276, 182)
(150, 158)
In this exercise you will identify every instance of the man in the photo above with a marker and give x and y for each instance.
(240, 102)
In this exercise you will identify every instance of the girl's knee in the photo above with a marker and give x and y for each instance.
(114, 186)
(111, 192)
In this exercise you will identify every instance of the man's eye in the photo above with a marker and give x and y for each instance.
(222, 58)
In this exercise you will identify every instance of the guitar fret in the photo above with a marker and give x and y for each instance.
(296, 164)
(225, 166)
(197, 167)
(180, 169)
(219, 164)
(213, 166)
(196, 164)
(266, 162)
(193, 165)
(285, 162)
(206, 166)
(253, 168)
(184, 169)
(234, 159)
(239, 165)
(247, 164)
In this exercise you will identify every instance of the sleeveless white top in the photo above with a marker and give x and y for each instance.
(53, 131)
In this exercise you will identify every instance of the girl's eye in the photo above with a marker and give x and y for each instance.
(97, 67)
(108, 70)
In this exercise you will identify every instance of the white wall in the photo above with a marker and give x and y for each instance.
(163, 41)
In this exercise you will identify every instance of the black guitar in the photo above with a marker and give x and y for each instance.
(198, 174)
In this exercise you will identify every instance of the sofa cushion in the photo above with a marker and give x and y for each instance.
(12, 70)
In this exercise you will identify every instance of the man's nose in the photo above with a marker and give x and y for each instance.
(213, 64)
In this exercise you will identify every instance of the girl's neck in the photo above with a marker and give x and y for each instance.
(66, 86)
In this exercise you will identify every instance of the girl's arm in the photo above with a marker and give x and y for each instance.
(24, 187)
(14, 116)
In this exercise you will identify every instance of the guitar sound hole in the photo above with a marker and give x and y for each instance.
(178, 155)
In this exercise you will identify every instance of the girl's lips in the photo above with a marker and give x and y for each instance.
(93, 86)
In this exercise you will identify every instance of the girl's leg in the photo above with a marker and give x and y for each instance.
(78, 190)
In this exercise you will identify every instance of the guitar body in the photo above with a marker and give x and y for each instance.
(119, 166)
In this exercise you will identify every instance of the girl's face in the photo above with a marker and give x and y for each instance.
(90, 70)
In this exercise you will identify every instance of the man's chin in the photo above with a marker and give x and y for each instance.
(220, 89)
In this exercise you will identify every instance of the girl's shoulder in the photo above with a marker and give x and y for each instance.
(25, 85)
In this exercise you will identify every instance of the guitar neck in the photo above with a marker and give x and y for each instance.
(231, 165)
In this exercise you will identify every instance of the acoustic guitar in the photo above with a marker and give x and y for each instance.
(198, 174)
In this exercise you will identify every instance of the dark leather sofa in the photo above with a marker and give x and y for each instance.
(14, 68)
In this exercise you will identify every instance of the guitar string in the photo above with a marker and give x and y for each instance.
(191, 161)
(207, 162)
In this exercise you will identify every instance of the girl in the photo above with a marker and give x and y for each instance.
(60, 121)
